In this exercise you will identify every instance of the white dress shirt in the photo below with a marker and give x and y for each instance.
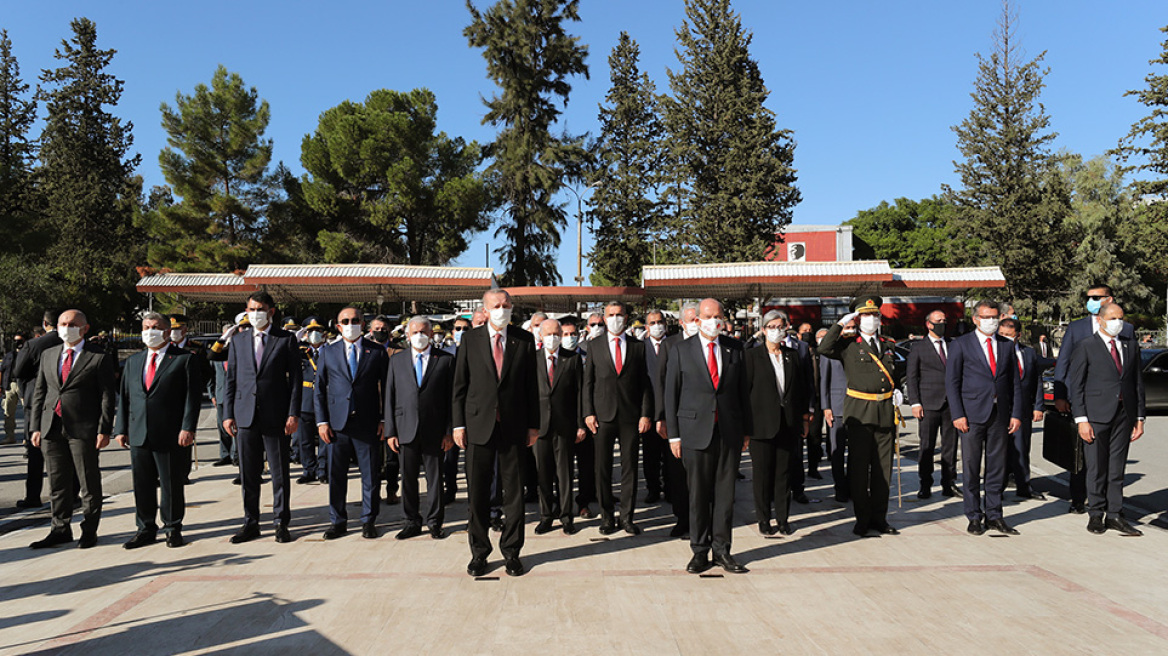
(985, 350)
(76, 348)
(150, 353)
(349, 346)
(612, 341)
(780, 373)
(492, 333)
(706, 352)
(414, 355)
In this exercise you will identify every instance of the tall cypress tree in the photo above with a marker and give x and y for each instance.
(85, 179)
(630, 159)
(733, 163)
(530, 56)
(1013, 202)
(17, 114)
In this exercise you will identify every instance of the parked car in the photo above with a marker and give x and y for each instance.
(1155, 367)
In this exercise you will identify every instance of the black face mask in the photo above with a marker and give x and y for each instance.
(380, 336)
(939, 328)
(807, 337)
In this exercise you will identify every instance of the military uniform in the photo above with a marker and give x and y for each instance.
(311, 452)
(869, 417)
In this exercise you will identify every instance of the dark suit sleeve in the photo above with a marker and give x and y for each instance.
(390, 402)
(194, 399)
(461, 384)
(1134, 356)
(588, 408)
(26, 365)
(580, 393)
(229, 384)
(1020, 407)
(1063, 364)
(913, 374)
(1076, 382)
(295, 373)
(40, 389)
(953, 372)
(808, 374)
(744, 398)
(832, 345)
(670, 390)
(320, 387)
(646, 387)
(662, 361)
(123, 414)
(825, 384)
(532, 391)
(108, 381)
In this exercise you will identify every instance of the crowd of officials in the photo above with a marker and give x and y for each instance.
(537, 413)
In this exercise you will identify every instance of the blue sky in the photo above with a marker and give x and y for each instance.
(869, 88)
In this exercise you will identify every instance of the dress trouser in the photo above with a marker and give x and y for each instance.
(1018, 455)
(585, 470)
(480, 470)
(771, 460)
(553, 459)
(414, 458)
(869, 471)
(654, 450)
(34, 480)
(163, 468)
(678, 486)
(712, 473)
(815, 441)
(837, 443)
(312, 449)
(988, 439)
(1106, 462)
(67, 457)
(226, 444)
(450, 471)
(606, 437)
(254, 444)
(10, 398)
(933, 422)
(367, 451)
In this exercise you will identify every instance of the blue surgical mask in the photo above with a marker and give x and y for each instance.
(1093, 306)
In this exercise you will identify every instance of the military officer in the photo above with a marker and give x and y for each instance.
(870, 412)
(315, 465)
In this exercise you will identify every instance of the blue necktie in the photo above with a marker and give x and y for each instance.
(353, 361)
(418, 370)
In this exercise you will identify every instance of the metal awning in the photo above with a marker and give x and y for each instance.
(566, 299)
(766, 279)
(213, 287)
(943, 282)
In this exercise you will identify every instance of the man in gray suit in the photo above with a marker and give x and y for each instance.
(833, 388)
(71, 417)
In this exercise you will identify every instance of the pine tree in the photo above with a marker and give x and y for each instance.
(733, 164)
(626, 207)
(17, 114)
(530, 56)
(217, 163)
(1013, 205)
(86, 180)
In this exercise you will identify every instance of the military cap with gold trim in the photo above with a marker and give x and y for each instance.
(867, 304)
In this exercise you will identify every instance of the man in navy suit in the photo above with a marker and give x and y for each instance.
(985, 397)
(262, 410)
(348, 397)
(1030, 368)
(709, 423)
(1106, 386)
(833, 388)
(1098, 297)
(418, 389)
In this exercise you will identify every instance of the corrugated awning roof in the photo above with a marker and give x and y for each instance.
(214, 287)
(943, 282)
(766, 279)
(565, 299)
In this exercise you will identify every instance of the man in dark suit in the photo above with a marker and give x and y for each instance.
(1030, 368)
(985, 398)
(178, 337)
(71, 416)
(450, 458)
(158, 414)
(797, 477)
(709, 423)
(781, 418)
(262, 410)
(654, 450)
(617, 406)
(217, 355)
(833, 387)
(417, 422)
(349, 397)
(559, 373)
(584, 450)
(1098, 297)
(869, 411)
(495, 415)
(925, 382)
(1106, 386)
(28, 362)
(675, 477)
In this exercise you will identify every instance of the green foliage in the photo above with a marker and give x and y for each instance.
(530, 56)
(217, 163)
(625, 207)
(731, 161)
(384, 185)
(17, 114)
(1013, 203)
(908, 233)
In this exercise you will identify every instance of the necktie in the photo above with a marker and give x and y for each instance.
(993, 359)
(418, 370)
(66, 367)
(1115, 356)
(352, 361)
(619, 364)
(499, 355)
(941, 352)
(1018, 357)
(259, 349)
(551, 369)
(151, 368)
(875, 347)
(713, 366)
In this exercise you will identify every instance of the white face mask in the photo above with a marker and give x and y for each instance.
(570, 342)
(315, 337)
(774, 335)
(869, 324)
(176, 336)
(691, 328)
(153, 338)
(615, 324)
(657, 330)
(711, 327)
(258, 318)
(595, 331)
(551, 343)
(988, 326)
(500, 317)
(419, 341)
(69, 334)
(1113, 327)
(458, 336)
(351, 331)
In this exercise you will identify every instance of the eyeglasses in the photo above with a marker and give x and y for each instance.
(349, 322)
(1096, 297)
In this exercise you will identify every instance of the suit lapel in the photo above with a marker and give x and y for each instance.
(509, 351)
(363, 361)
(430, 365)
(269, 346)
(80, 362)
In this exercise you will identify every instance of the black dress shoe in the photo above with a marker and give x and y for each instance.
(236, 481)
(392, 498)
(515, 567)
(87, 541)
(531, 497)
(222, 462)
(814, 473)
(608, 528)
(1095, 525)
(887, 530)
(698, 564)
(437, 533)
(740, 476)
(924, 493)
(861, 531)
(323, 480)
(141, 539)
(586, 513)
(727, 562)
(631, 528)
(544, 526)
(410, 531)
(653, 497)
(1027, 493)
(800, 497)
(335, 531)
(283, 536)
(1120, 524)
(569, 526)
(477, 567)
(28, 504)
(1077, 508)
(950, 491)
(765, 528)
(174, 539)
(976, 527)
(246, 534)
(784, 528)
(842, 497)
(53, 539)
(497, 524)
(447, 499)
(305, 478)
(369, 531)
(678, 531)
(1001, 526)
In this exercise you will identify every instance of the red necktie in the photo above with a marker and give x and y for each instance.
(150, 369)
(551, 369)
(993, 359)
(1115, 356)
(65, 369)
(499, 355)
(619, 363)
(1018, 357)
(713, 364)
